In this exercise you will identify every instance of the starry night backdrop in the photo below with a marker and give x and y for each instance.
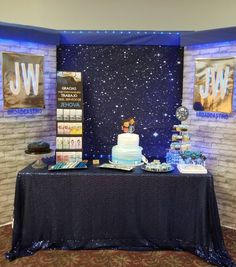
(122, 81)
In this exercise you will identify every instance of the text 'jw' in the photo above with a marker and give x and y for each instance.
(30, 76)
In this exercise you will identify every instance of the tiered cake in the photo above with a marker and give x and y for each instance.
(127, 151)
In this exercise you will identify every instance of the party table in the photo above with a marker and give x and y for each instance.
(98, 208)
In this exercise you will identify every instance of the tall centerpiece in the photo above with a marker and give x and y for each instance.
(180, 140)
(180, 152)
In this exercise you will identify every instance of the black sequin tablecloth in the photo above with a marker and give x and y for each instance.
(97, 208)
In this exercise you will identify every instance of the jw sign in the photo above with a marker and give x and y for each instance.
(23, 82)
(214, 84)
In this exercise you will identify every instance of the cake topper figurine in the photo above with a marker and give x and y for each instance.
(128, 125)
(131, 125)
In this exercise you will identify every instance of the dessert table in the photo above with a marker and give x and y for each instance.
(98, 208)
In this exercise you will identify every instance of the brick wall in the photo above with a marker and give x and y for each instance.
(16, 131)
(215, 137)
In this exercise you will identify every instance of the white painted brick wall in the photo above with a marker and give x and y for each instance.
(16, 131)
(215, 137)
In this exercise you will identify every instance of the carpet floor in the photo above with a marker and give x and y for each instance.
(108, 258)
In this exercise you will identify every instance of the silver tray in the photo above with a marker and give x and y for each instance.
(113, 166)
(152, 170)
(133, 165)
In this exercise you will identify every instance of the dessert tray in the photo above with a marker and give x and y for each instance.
(163, 167)
(117, 166)
(77, 165)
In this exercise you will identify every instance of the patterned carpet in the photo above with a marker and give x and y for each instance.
(108, 258)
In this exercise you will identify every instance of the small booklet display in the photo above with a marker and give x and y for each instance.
(68, 166)
(117, 167)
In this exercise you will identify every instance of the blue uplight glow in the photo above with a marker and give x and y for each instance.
(11, 42)
(120, 37)
(212, 45)
(118, 32)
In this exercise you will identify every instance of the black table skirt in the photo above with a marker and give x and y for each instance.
(97, 208)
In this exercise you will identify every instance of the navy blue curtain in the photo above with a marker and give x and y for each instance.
(122, 81)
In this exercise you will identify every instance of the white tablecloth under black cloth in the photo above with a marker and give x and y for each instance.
(97, 208)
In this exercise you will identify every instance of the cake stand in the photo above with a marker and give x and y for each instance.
(39, 164)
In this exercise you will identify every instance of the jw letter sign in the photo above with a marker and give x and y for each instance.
(214, 84)
(23, 85)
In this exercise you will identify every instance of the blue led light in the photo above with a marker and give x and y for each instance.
(11, 42)
(25, 111)
(212, 45)
(212, 115)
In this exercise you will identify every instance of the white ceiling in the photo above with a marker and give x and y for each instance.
(121, 14)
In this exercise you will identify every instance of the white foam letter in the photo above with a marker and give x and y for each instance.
(221, 81)
(204, 93)
(16, 90)
(31, 76)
